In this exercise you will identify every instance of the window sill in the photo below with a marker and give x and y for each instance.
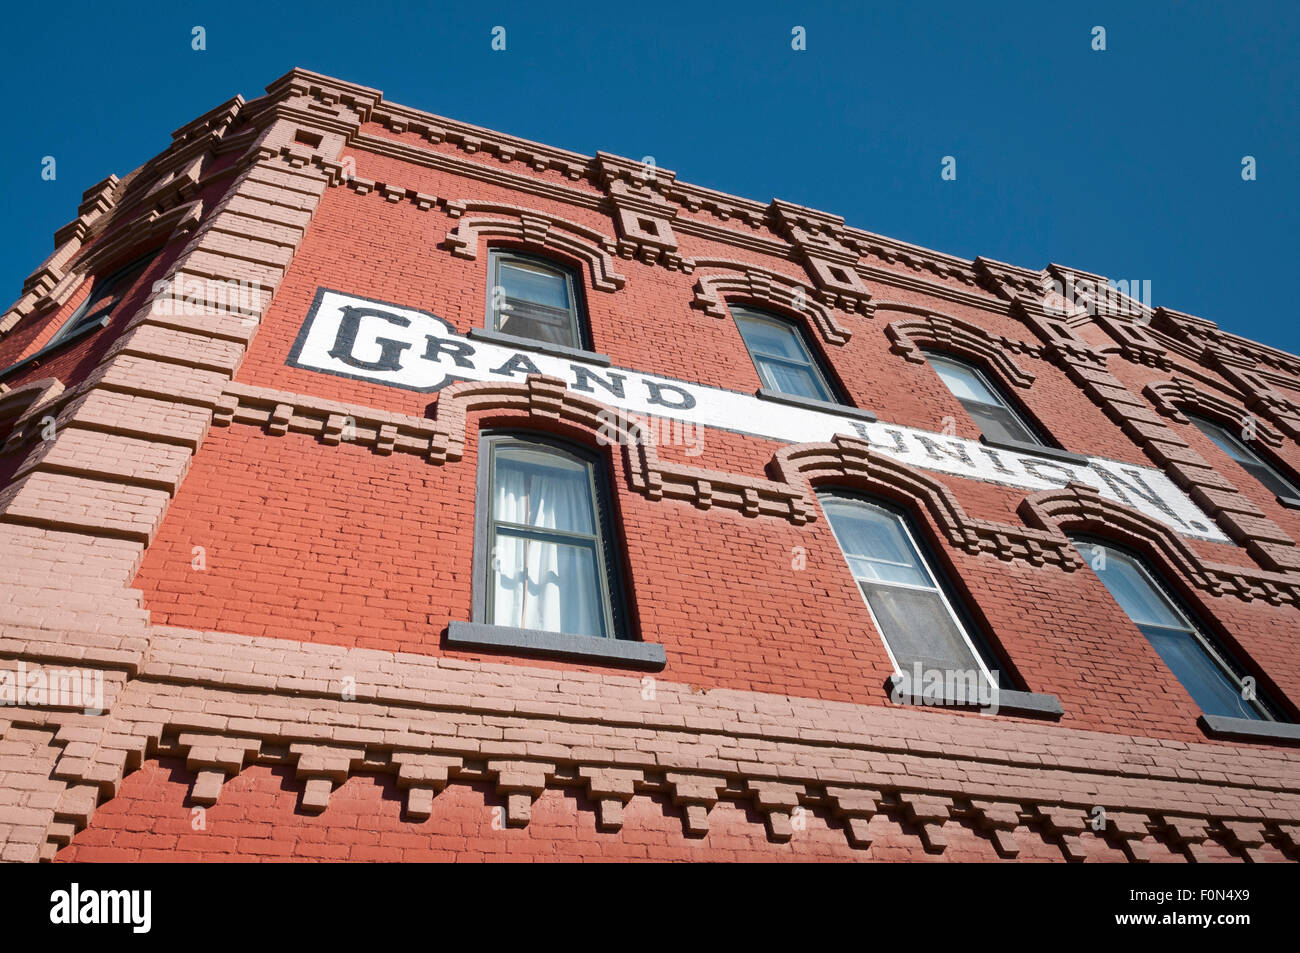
(1008, 702)
(528, 344)
(808, 403)
(50, 348)
(1221, 726)
(1035, 448)
(574, 648)
(1290, 502)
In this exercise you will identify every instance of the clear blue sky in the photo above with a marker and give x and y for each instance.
(1125, 162)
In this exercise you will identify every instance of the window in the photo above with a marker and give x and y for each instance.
(996, 418)
(105, 295)
(903, 595)
(544, 534)
(533, 298)
(1234, 447)
(1203, 668)
(781, 356)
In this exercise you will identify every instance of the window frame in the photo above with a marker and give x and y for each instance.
(1203, 635)
(68, 331)
(1280, 473)
(817, 363)
(994, 387)
(579, 324)
(615, 617)
(961, 616)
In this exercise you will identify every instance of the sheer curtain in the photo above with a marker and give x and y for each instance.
(547, 581)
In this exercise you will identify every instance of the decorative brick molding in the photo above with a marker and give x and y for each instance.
(1266, 542)
(847, 462)
(851, 463)
(1080, 507)
(960, 339)
(542, 231)
(540, 400)
(1171, 398)
(433, 722)
(761, 287)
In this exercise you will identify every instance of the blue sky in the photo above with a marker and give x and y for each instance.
(1125, 162)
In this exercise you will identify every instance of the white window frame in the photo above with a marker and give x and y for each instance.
(937, 579)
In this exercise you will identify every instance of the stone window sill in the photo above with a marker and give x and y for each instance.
(1221, 726)
(574, 648)
(544, 347)
(1036, 448)
(808, 403)
(1009, 702)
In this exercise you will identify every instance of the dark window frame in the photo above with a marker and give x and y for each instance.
(1009, 403)
(614, 603)
(1207, 636)
(818, 362)
(77, 326)
(1280, 471)
(579, 320)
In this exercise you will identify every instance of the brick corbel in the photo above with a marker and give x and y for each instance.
(776, 801)
(423, 775)
(1189, 834)
(323, 767)
(695, 795)
(999, 819)
(520, 783)
(855, 807)
(610, 789)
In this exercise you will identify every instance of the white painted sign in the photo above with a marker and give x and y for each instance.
(415, 350)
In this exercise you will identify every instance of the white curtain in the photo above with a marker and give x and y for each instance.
(542, 584)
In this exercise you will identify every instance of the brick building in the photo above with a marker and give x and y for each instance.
(378, 486)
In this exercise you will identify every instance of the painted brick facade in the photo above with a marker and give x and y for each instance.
(293, 677)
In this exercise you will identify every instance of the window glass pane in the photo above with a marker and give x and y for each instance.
(1271, 479)
(875, 544)
(542, 489)
(1205, 681)
(531, 283)
(998, 423)
(771, 338)
(963, 381)
(1259, 468)
(919, 628)
(544, 585)
(794, 379)
(528, 320)
(1130, 587)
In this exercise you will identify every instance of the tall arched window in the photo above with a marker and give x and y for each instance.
(1213, 679)
(1263, 471)
(544, 559)
(997, 418)
(906, 598)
